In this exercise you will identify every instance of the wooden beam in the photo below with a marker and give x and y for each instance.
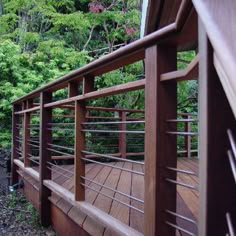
(217, 187)
(218, 18)
(73, 90)
(45, 156)
(160, 148)
(122, 88)
(80, 113)
(122, 136)
(15, 143)
(28, 110)
(189, 73)
(30, 171)
(26, 134)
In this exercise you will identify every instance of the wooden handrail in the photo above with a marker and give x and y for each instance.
(123, 56)
(130, 86)
(189, 73)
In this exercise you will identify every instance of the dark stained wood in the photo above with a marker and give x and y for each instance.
(218, 18)
(45, 156)
(130, 86)
(80, 112)
(153, 15)
(137, 191)
(88, 84)
(30, 189)
(129, 183)
(217, 187)
(160, 149)
(15, 143)
(64, 225)
(189, 73)
(122, 136)
(26, 134)
(73, 90)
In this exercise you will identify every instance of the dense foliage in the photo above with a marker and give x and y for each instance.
(45, 39)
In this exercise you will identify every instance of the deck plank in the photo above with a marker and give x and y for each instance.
(137, 190)
(103, 202)
(133, 184)
(118, 210)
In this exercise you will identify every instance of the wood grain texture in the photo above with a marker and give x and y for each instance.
(160, 149)
(122, 88)
(64, 225)
(218, 18)
(217, 188)
(15, 143)
(45, 156)
(189, 73)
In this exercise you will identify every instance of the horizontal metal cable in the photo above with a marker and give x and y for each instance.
(116, 167)
(62, 147)
(53, 170)
(182, 133)
(182, 120)
(18, 149)
(63, 153)
(232, 142)
(33, 141)
(182, 171)
(20, 153)
(113, 122)
(230, 224)
(61, 124)
(112, 157)
(59, 167)
(112, 189)
(114, 199)
(33, 145)
(113, 131)
(61, 129)
(182, 184)
(232, 164)
(180, 228)
(181, 216)
(37, 162)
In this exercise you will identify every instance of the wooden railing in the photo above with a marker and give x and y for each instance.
(34, 132)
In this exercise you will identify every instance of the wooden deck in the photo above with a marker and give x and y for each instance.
(129, 183)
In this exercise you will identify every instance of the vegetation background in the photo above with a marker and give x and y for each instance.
(45, 39)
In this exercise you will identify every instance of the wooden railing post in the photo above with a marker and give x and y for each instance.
(15, 143)
(160, 148)
(217, 186)
(26, 133)
(122, 136)
(80, 114)
(187, 138)
(45, 157)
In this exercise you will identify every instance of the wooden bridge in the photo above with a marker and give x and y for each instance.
(117, 171)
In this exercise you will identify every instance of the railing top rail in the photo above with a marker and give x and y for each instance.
(125, 55)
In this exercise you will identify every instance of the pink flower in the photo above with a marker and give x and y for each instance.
(130, 31)
(95, 7)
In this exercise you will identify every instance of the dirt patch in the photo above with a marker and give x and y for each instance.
(18, 217)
